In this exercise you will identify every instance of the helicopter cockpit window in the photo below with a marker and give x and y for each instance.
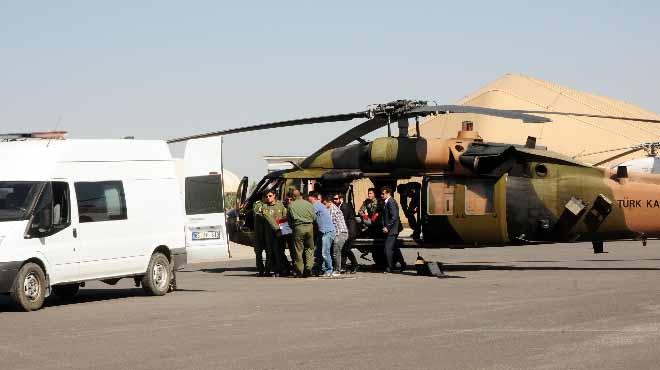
(441, 197)
(479, 197)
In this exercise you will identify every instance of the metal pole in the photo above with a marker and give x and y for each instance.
(389, 128)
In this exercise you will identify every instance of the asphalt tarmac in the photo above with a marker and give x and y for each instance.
(534, 307)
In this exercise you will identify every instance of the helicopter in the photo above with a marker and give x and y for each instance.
(473, 192)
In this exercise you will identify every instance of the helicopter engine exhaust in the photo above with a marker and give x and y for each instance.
(422, 153)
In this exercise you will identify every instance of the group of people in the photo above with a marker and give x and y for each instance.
(318, 232)
(372, 209)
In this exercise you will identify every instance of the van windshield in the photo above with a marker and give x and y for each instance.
(15, 199)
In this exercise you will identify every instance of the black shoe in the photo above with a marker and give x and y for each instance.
(404, 267)
(387, 270)
(260, 274)
(355, 269)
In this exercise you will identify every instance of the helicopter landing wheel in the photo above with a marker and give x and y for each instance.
(598, 246)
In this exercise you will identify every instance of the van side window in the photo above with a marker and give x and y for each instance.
(53, 211)
(61, 205)
(101, 201)
(204, 195)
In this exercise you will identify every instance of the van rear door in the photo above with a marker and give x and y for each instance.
(206, 232)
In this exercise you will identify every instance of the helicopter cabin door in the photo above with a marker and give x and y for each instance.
(206, 232)
(464, 210)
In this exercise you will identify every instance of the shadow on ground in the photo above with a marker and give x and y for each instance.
(484, 267)
(85, 296)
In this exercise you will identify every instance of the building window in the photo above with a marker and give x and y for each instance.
(101, 201)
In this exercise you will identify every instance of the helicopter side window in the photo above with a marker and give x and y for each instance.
(479, 197)
(441, 197)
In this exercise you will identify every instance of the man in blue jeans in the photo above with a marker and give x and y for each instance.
(326, 233)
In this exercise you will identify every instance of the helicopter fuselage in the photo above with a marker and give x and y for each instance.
(475, 193)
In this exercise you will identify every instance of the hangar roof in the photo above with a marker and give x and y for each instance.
(567, 135)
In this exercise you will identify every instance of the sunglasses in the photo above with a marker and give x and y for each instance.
(335, 198)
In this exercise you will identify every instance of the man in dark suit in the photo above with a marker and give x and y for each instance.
(391, 228)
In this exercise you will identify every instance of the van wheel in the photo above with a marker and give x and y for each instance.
(66, 291)
(157, 279)
(29, 291)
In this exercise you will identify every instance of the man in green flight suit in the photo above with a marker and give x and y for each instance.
(261, 229)
(301, 219)
(274, 214)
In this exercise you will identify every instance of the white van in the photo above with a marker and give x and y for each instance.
(78, 210)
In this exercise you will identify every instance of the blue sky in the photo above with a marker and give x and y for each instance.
(161, 69)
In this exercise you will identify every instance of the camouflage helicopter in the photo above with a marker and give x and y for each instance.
(473, 192)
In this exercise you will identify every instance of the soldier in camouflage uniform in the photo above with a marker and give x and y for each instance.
(302, 217)
(261, 230)
(274, 214)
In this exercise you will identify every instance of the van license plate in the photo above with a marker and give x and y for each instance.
(204, 235)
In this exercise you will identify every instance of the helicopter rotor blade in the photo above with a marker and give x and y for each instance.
(381, 119)
(651, 147)
(526, 117)
(605, 151)
(265, 126)
(648, 120)
(356, 133)
(615, 157)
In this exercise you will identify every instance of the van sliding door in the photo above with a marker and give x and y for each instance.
(206, 232)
